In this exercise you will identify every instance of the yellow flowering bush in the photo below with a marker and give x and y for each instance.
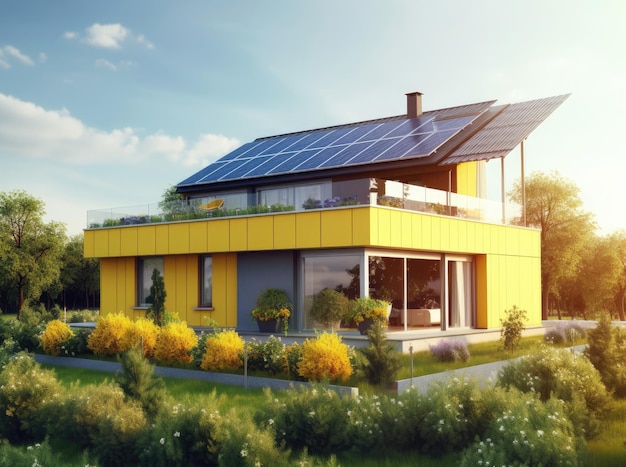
(174, 342)
(223, 350)
(325, 357)
(55, 335)
(367, 308)
(143, 332)
(110, 335)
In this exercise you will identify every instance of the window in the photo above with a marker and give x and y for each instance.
(340, 272)
(206, 281)
(145, 267)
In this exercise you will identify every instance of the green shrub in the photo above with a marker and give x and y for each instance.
(329, 306)
(293, 355)
(309, 418)
(25, 334)
(556, 372)
(451, 416)
(77, 345)
(243, 443)
(82, 316)
(269, 356)
(528, 432)
(381, 360)
(35, 455)
(24, 388)
(325, 357)
(223, 350)
(184, 436)
(138, 381)
(512, 327)
(606, 350)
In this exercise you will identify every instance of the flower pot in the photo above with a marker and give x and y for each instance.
(270, 326)
(365, 326)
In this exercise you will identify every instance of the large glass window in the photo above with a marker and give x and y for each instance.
(206, 281)
(338, 272)
(145, 267)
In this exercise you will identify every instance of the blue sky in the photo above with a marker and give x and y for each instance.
(107, 104)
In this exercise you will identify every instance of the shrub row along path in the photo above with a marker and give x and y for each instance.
(485, 374)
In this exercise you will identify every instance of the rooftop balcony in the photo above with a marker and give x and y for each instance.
(355, 192)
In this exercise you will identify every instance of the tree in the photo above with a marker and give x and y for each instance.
(80, 276)
(553, 205)
(30, 250)
(618, 240)
(157, 298)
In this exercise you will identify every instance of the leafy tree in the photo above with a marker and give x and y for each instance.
(618, 240)
(30, 250)
(381, 359)
(80, 276)
(599, 275)
(553, 205)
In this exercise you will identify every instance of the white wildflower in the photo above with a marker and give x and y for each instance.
(162, 441)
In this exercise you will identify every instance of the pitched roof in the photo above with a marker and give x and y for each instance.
(438, 137)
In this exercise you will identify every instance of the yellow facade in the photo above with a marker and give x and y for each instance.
(508, 267)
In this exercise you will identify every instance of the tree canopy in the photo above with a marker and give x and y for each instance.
(30, 249)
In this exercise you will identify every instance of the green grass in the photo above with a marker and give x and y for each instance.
(484, 352)
(609, 447)
(8, 316)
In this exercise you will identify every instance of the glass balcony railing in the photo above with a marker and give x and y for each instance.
(373, 192)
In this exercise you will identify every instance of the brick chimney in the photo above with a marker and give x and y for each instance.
(413, 104)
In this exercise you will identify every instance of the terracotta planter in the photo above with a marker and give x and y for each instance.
(270, 326)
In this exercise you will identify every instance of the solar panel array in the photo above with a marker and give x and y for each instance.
(343, 146)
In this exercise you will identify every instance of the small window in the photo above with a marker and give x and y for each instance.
(145, 267)
(206, 281)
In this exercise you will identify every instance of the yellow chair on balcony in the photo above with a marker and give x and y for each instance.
(212, 205)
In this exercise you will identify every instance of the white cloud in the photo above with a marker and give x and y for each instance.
(102, 63)
(8, 51)
(28, 130)
(108, 36)
(208, 149)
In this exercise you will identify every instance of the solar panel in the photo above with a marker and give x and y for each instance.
(389, 139)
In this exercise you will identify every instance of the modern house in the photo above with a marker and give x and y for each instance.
(393, 208)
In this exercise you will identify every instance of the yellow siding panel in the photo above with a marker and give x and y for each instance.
(218, 232)
(162, 243)
(115, 243)
(361, 226)
(108, 281)
(427, 233)
(406, 228)
(101, 243)
(128, 241)
(238, 234)
(467, 179)
(179, 238)
(336, 228)
(89, 243)
(384, 226)
(146, 240)
(231, 290)
(198, 237)
(308, 226)
(260, 233)
(395, 228)
(482, 291)
(285, 232)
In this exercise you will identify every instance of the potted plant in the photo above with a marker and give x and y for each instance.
(272, 308)
(329, 307)
(364, 311)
